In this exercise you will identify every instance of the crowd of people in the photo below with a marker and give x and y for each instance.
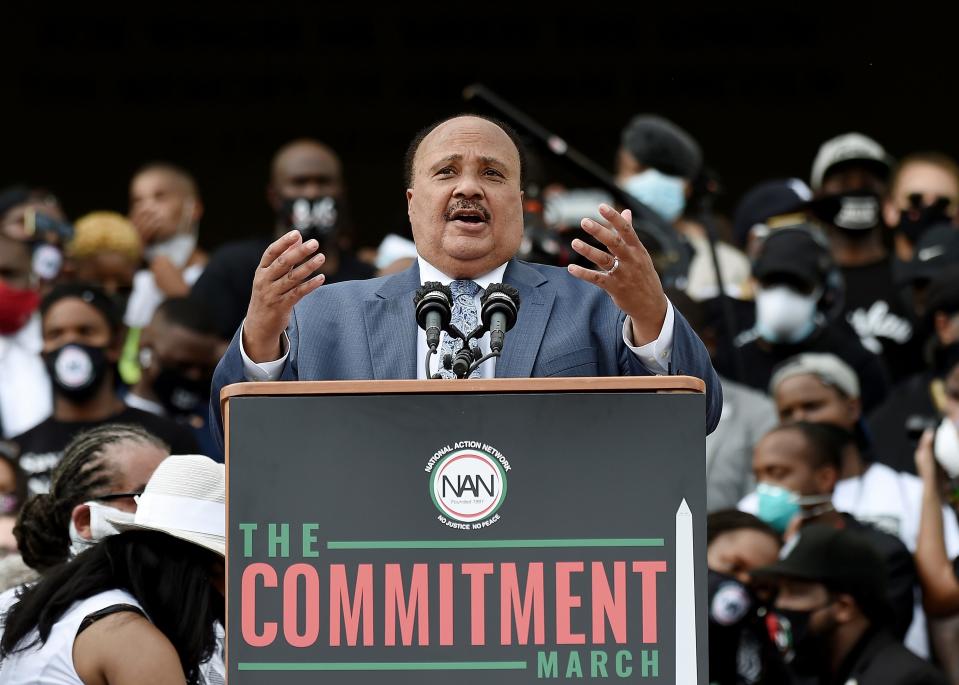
(828, 304)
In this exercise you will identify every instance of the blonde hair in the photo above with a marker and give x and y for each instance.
(105, 232)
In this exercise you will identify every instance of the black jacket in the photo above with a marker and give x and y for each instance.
(879, 659)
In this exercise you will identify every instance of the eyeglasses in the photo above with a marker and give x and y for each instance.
(116, 495)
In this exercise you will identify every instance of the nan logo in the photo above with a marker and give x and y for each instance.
(468, 484)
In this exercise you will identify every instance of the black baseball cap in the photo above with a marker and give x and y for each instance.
(90, 293)
(842, 559)
(937, 249)
(659, 143)
(794, 253)
(767, 200)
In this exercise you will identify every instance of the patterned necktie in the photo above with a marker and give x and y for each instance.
(464, 318)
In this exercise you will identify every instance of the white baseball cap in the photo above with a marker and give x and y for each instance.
(848, 147)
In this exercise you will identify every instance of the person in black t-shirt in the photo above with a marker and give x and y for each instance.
(920, 396)
(741, 649)
(850, 177)
(306, 191)
(792, 270)
(830, 592)
(81, 345)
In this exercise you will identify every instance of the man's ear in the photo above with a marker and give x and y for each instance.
(942, 323)
(117, 341)
(197, 213)
(81, 520)
(854, 408)
(409, 202)
(273, 197)
(826, 478)
(846, 608)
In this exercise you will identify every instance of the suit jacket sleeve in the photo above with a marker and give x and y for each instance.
(689, 358)
(230, 371)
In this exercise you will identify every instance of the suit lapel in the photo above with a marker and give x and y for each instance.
(523, 341)
(391, 326)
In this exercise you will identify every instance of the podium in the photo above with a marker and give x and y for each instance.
(474, 531)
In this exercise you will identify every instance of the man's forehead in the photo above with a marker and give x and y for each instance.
(781, 446)
(306, 159)
(167, 179)
(485, 137)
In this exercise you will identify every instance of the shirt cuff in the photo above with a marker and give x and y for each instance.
(266, 371)
(654, 355)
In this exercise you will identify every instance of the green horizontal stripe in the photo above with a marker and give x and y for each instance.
(388, 666)
(495, 544)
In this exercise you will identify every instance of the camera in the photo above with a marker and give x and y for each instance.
(39, 226)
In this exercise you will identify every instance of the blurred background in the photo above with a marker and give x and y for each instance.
(92, 93)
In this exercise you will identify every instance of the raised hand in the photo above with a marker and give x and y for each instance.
(282, 279)
(626, 272)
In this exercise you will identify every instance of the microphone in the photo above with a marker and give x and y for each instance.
(434, 310)
(498, 310)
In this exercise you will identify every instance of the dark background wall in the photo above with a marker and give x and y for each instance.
(90, 93)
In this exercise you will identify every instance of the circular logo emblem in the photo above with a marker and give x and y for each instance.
(730, 604)
(73, 367)
(468, 485)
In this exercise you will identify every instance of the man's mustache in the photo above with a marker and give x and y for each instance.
(466, 205)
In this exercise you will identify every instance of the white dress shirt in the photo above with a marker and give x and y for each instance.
(654, 355)
(26, 397)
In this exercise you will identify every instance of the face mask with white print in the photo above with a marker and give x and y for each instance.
(100, 527)
(665, 195)
(180, 246)
(784, 315)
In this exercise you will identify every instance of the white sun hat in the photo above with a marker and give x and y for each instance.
(186, 498)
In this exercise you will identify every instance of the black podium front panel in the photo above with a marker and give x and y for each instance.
(437, 538)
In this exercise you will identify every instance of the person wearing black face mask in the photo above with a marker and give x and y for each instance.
(742, 651)
(81, 344)
(306, 191)
(830, 591)
(178, 352)
(849, 178)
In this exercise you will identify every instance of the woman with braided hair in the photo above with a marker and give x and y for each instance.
(102, 469)
(142, 606)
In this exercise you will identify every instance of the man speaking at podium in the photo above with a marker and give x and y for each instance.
(464, 194)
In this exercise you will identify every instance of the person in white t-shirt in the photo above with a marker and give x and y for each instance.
(821, 388)
(25, 395)
(166, 208)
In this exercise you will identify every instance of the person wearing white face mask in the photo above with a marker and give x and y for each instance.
(937, 461)
(166, 208)
(93, 490)
(657, 162)
(791, 274)
(101, 472)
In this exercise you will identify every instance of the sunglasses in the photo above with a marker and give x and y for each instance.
(116, 495)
